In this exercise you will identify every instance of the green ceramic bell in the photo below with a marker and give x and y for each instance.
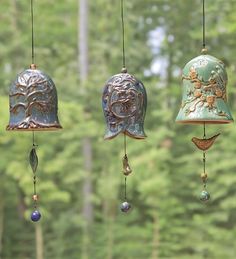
(204, 97)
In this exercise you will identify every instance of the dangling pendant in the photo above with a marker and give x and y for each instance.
(204, 195)
(35, 216)
(126, 167)
(204, 144)
(33, 159)
(125, 206)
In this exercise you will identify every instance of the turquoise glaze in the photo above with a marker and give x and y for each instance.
(204, 92)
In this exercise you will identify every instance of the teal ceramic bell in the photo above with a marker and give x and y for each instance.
(33, 102)
(124, 103)
(204, 97)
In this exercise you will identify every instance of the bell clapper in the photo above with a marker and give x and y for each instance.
(204, 195)
(33, 159)
(126, 167)
(125, 206)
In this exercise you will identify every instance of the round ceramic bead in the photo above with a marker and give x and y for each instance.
(204, 195)
(204, 176)
(125, 206)
(35, 216)
(35, 197)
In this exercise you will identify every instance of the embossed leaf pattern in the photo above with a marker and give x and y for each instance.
(33, 158)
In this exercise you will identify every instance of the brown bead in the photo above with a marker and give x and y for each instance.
(204, 51)
(35, 197)
(204, 176)
(124, 70)
(32, 66)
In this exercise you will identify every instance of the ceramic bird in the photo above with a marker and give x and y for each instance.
(204, 144)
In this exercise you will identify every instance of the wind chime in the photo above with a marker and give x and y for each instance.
(124, 104)
(204, 99)
(33, 107)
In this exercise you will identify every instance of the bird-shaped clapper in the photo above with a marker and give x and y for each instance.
(124, 102)
(204, 100)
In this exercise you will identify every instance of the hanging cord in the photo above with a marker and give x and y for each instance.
(125, 151)
(203, 26)
(34, 178)
(123, 32)
(125, 188)
(125, 144)
(33, 139)
(32, 30)
(204, 154)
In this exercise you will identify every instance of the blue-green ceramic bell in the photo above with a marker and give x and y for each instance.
(33, 102)
(124, 104)
(204, 96)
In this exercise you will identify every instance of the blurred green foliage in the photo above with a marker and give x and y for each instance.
(167, 220)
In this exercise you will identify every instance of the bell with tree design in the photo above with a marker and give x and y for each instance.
(33, 102)
(33, 107)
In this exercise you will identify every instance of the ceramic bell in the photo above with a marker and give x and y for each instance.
(33, 102)
(124, 104)
(204, 92)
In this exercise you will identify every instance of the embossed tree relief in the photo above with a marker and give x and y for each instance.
(30, 98)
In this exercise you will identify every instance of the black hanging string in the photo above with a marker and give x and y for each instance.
(125, 151)
(33, 60)
(204, 153)
(203, 25)
(204, 130)
(123, 32)
(125, 188)
(33, 138)
(32, 30)
(124, 65)
(125, 144)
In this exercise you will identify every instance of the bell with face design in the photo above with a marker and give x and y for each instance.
(204, 98)
(124, 103)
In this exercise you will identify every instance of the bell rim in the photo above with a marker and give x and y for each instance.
(49, 128)
(126, 133)
(194, 121)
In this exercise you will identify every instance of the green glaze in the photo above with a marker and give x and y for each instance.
(204, 92)
(204, 196)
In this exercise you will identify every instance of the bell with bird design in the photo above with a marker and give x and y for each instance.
(204, 100)
(204, 92)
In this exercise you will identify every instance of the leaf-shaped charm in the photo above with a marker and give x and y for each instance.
(33, 159)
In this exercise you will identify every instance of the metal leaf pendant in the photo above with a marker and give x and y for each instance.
(33, 159)
(126, 167)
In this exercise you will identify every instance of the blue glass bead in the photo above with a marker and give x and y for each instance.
(125, 206)
(35, 216)
(204, 195)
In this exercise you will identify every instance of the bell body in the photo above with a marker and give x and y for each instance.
(204, 92)
(124, 103)
(33, 102)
